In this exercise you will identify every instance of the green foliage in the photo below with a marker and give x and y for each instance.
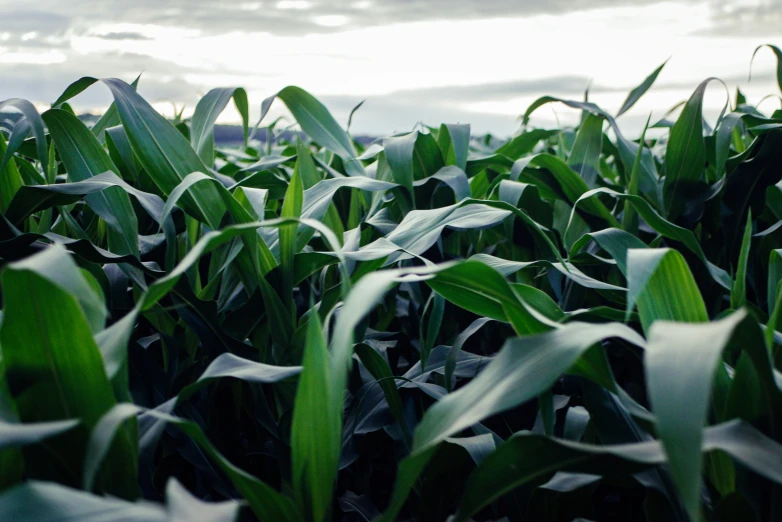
(565, 325)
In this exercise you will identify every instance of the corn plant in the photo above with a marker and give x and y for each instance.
(568, 324)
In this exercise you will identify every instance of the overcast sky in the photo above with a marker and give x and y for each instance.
(470, 61)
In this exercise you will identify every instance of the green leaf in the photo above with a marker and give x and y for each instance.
(291, 208)
(306, 166)
(454, 142)
(316, 433)
(30, 113)
(635, 95)
(738, 295)
(378, 367)
(647, 181)
(522, 370)
(566, 179)
(778, 55)
(318, 198)
(184, 507)
(318, 124)
(225, 365)
(478, 288)
(524, 143)
(165, 153)
(629, 216)
(32, 198)
(667, 229)
(53, 366)
(680, 361)
(10, 179)
(49, 502)
(661, 284)
(585, 153)
(84, 157)
(568, 270)
(399, 154)
(14, 434)
(428, 334)
(685, 155)
(205, 115)
(537, 457)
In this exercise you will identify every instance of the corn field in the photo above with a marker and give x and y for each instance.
(570, 324)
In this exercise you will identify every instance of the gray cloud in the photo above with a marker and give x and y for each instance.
(44, 21)
(55, 17)
(217, 17)
(730, 16)
(762, 19)
(124, 36)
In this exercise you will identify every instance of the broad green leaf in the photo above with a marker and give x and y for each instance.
(629, 216)
(399, 154)
(53, 366)
(523, 369)
(318, 197)
(478, 288)
(585, 154)
(165, 153)
(685, 155)
(660, 283)
(224, 366)
(306, 166)
(569, 270)
(316, 432)
(318, 124)
(205, 115)
(428, 333)
(454, 142)
(681, 360)
(84, 157)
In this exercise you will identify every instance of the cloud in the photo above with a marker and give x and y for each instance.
(43, 22)
(486, 59)
(745, 18)
(124, 35)
(298, 17)
(286, 18)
